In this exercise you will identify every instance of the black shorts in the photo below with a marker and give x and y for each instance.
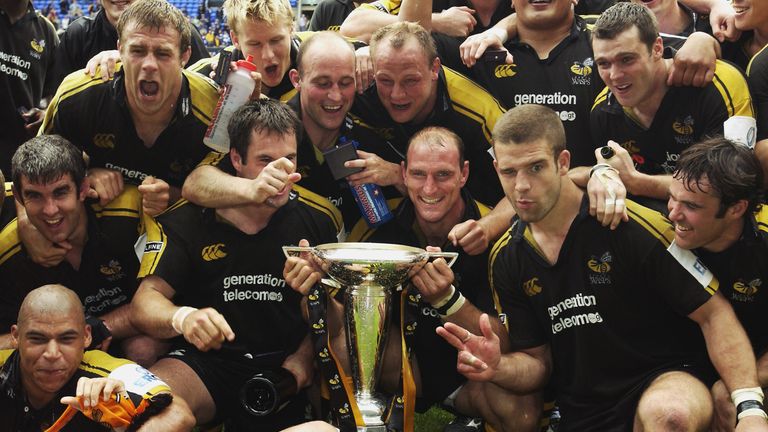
(619, 415)
(224, 375)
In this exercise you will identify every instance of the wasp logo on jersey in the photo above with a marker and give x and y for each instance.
(112, 270)
(213, 252)
(531, 287)
(582, 72)
(683, 126)
(104, 140)
(745, 291)
(600, 268)
(505, 71)
(38, 47)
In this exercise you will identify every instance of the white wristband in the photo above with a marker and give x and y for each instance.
(440, 303)
(752, 412)
(178, 318)
(499, 33)
(744, 394)
(455, 307)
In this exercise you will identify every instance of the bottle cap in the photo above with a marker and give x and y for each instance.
(247, 64)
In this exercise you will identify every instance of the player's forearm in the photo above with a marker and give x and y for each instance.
(580, 176)
(119, 322)
(762, 370)
(727, 344)
(521, 372)
(175, 417)
(651, 186)
(419, 11)
(498, 220)
(152, 312)
(362, 22)
(468, 316)
(210, 187)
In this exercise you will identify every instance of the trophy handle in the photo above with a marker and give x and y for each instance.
(292, 251)
(449, 256)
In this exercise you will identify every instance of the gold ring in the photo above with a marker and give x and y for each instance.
(469, 335)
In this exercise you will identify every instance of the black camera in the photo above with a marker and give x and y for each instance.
(267, 391)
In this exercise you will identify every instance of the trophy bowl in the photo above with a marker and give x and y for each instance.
(369, 273)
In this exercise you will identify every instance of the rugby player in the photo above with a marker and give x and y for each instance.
(49, 378)
(715, 206)
(101, 265)
(577, 299)
(214, 277)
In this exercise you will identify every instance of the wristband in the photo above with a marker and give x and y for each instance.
(744, 394)
(178, 318)
(499, 33)
(600, 167)
(452, 305)
(750, 408)
(443, 301)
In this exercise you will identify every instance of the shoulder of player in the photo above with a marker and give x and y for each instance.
(761, 220)
(644, 219)
(77, 89)
(203, 93)
(319, 206)
(758, 64)
(127, 204)
(99, 363)
(10, 242)
(467, 94)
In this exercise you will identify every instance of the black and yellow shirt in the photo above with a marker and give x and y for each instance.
(686, 116)
(20, 416)
(461, 106)
(211, 263)
(613, 307)
(742, 269)
(757, 77)
(106, 278)
(330, 14)
(94, 116)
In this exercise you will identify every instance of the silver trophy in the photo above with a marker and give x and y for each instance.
(368, 272)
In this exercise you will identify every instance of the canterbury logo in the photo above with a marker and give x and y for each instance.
(105, 141)
(38, 46)
(532, 287)
(505, 71)
(214, 252)
(748, 288)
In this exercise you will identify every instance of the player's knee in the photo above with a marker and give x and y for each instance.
(662, 411)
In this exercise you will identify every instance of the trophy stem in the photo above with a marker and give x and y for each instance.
(366, 312)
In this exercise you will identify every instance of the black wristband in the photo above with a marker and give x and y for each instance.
(443, 310)
(749, 405)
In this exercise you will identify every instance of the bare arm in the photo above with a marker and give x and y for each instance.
(727, 343)
(636, 183)
(119, 322)
(362, 22)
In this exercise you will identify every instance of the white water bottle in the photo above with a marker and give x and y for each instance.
(237, 91)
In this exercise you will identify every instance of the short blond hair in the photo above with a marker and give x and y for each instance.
(272, 12)
(399, 33)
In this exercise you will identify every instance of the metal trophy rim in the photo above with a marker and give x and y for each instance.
(450, 257)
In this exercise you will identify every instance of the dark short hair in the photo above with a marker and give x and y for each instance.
(322, 38)
(156, 14)
(437, 136)
(623, 16)
(261, 115)
(397, 34)
(47, 158)
(528, 123)
(731, 170)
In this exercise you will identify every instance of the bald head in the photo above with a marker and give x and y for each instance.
(51, 300)
(323, 43)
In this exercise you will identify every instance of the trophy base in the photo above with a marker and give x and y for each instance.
(379, 428)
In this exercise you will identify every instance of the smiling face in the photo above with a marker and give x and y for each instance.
(152, 63)
(694, 212)
(51, 346)
(406, 81)
(270, 46)
(627, 67)
(327, 85)
(531, 177)
(434, 178)
(543, 14)
(750, 14)
(56, 208)
(114, 8)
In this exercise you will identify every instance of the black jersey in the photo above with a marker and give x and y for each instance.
(735, 53)
(757, 77)
(437, 358)
(19, 416)
(27, 50)
(461, 106)
(94, 116)
(698, 23)
(567, 81)
(686, 116)
(742, 269)
(284, 91)
(106, 278)
(210, 263)
(87, 36)
(330, 14)
(317, 177)
(612, 308)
